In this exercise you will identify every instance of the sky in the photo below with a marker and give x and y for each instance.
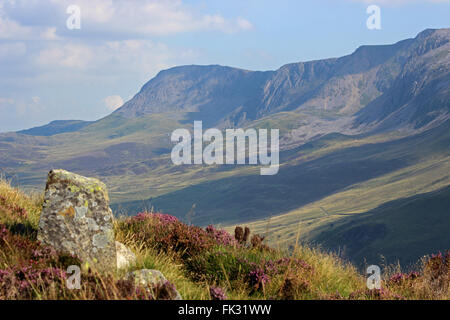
(52, 70)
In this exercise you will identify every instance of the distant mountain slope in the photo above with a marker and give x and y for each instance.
(384, 78)
(420, 95)
(214, 91)
(250, 196)
(401, 230)
(356, 131)
(56, 127)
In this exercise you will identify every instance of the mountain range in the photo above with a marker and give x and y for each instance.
(364, 149)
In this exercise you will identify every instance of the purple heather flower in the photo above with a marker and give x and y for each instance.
(217, 293)
(257, 277)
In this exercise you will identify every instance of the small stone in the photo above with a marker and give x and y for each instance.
(76, 218)
(125, 257)
(151, 278)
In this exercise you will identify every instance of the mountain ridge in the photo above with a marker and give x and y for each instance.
(227, 96)
(56, 127)
(371, 126)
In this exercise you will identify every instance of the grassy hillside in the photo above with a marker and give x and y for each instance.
(56, 127)
(389, 229)
(367, 203)
(202, 264)
(317, 181)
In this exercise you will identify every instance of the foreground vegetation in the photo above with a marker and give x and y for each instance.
(201, 263)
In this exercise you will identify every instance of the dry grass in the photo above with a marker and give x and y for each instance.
(13, 200)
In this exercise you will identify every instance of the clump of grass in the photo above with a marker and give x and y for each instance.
(18, 208)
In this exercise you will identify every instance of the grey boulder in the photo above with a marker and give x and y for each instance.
(76, 218)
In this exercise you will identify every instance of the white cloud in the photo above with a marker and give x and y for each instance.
(49, 34)
(22, 106)
(244, 24)
(21, 112)
(113, 102)
(67, 55)
(157, 17)
(129, 19)
(10, 29)
(100, 11)
(143, 58)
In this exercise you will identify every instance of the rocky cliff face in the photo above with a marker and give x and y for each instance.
(214, 91)
(407, 80)
(420, 95)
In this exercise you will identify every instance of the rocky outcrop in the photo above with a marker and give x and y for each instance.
(76, 219)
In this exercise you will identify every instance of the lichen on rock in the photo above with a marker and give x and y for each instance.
(76, 218)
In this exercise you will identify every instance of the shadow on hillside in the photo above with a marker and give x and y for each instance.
(255, 197)
(402, 230)
(252, 197)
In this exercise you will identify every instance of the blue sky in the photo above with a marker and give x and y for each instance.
(48, 72)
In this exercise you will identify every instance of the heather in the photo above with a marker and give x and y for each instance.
(201, 263)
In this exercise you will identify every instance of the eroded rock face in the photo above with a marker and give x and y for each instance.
(76, 218)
